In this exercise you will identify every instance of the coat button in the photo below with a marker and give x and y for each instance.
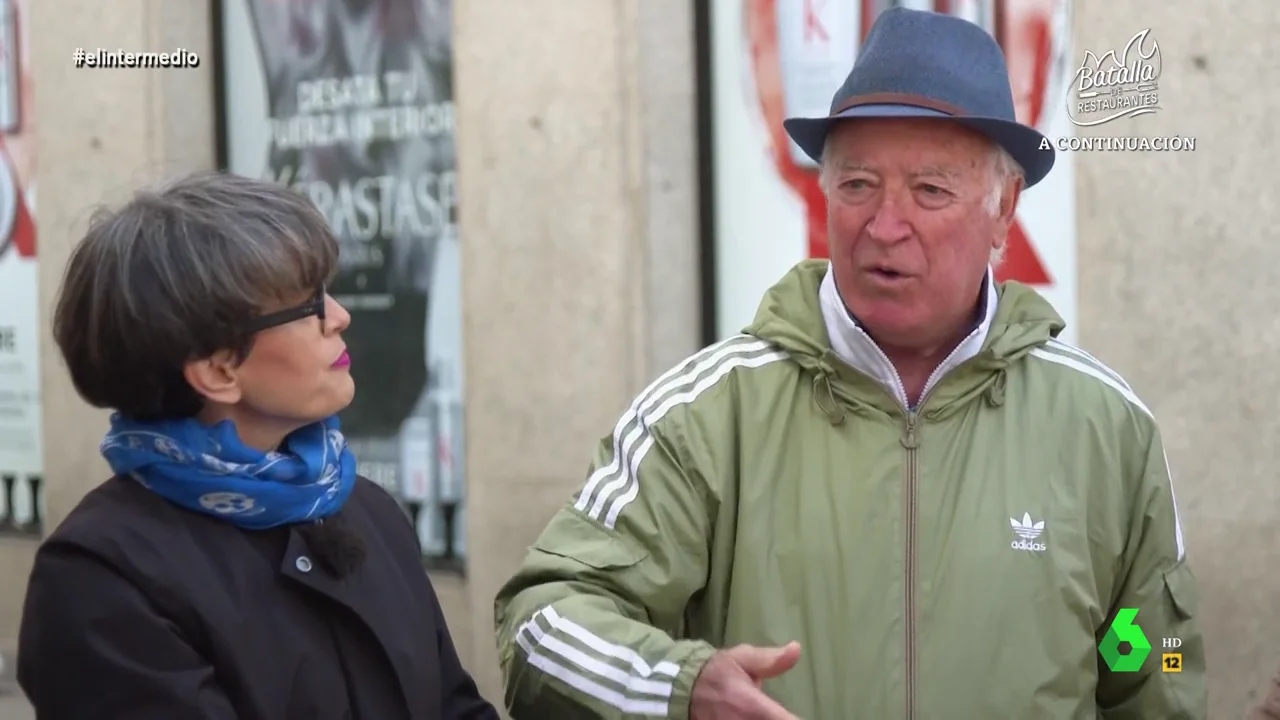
(303, 563)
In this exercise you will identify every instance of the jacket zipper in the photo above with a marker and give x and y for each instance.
(910, 441)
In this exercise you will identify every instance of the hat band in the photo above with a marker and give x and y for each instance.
(898, 99)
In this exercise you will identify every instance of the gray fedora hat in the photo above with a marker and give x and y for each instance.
(916, 63)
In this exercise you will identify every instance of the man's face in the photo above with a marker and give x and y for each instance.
(911, 226)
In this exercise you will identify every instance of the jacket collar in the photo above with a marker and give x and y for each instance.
(855, 347)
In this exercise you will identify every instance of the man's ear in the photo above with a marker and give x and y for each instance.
(1006, 212)
(1009, 200)
(215, 377)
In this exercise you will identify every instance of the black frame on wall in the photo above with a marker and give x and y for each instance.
(219, 68)
(702, 17)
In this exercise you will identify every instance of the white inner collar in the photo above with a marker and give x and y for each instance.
(855, 347)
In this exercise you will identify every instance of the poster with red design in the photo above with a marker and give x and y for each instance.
(773, 59)
(20, 431)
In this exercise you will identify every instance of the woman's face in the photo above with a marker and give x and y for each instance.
(300, 370)
(295, 374)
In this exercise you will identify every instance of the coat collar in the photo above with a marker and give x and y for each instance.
(855, 347)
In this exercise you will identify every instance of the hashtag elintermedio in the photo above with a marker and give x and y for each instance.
(100, 58)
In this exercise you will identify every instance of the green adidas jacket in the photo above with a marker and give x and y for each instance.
(959, 560)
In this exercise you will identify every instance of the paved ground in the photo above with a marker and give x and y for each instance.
(14, 707)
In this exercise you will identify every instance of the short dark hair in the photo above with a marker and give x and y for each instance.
(170, 276)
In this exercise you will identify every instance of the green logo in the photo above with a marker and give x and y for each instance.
(1123, 629)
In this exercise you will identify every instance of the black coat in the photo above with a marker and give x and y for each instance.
(140, 610)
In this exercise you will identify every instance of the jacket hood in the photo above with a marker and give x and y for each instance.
(790, 316)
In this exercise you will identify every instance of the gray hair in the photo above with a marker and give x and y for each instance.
(172, 276)
(1003, 169)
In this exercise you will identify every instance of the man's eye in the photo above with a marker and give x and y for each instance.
(854, 184)
(933, 190)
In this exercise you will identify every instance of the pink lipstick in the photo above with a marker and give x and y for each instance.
(344, 360)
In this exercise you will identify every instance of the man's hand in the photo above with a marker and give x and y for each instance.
(729, 686)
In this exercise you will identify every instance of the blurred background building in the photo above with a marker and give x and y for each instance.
(544, 204)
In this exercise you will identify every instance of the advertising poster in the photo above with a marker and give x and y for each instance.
(21, 453)
(350, 102)
(773, 59)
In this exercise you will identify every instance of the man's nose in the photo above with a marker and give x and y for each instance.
(889, 224)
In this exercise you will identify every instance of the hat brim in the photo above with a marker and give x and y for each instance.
(1026, 145)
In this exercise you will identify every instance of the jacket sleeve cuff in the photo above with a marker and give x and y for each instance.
(695, 656)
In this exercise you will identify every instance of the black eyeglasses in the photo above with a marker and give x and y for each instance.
(314, 306)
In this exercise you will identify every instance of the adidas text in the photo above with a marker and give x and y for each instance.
(1028, 546)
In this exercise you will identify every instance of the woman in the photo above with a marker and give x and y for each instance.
(234, 565)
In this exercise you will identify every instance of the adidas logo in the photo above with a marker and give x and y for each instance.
(1027, 532)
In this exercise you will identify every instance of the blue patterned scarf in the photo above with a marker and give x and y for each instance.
(207, 469)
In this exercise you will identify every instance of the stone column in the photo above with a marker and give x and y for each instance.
(578, 190)
(1177, 260)
(100, 133)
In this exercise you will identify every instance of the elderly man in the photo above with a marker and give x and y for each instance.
(897, 494)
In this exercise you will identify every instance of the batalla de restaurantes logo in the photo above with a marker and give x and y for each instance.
(1116, 85)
